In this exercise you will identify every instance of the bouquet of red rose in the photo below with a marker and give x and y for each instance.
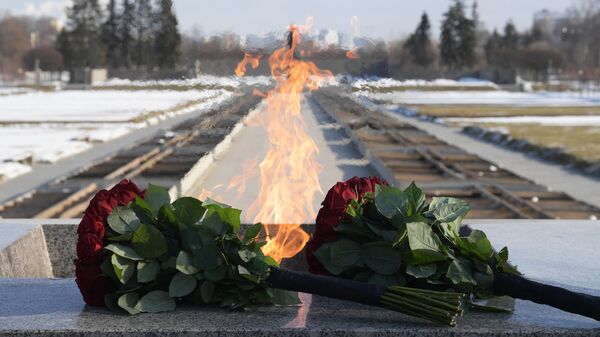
(371, 232)
(139, 252)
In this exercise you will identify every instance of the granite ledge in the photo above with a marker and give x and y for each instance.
(33, 307)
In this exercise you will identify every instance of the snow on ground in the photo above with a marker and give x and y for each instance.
(92, 105)
(483, 98)
(442, 82)
(4, 91)
(9, 170)
(543, 120)
(203, 80)
(40, 137)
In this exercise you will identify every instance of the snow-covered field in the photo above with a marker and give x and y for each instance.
(483, 98)
(4, 91)
(542, 120)
(93, 105)
(363, 84)
(204, 80)
(34, 129)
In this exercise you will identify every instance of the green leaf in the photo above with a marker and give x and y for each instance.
(381, 257)
(498, 304)
(192, 240)
(208, 257)
(184, 263)
(149, 242)
(213, 223)
(182, 285)
(188, 210)
(390, 201)
(284, 297)
(121, 238)
(231, 216)
(420, 236)
(246, 255)
(166, 216)
(225, 212)
(128, 302)
(123, 251)
(252, 232)
(216, 274)
(423, 256)
(271, 261)
(245, 273)
(503, 255)
(416, 198)
(123, 220)
(147, 271)
(207, 290)
(142, 210)
(156, 301)
(460, 273)
(421, 271)
(323, 254)
(156, 196)
(477, 244)
(345, 253)
(356, 227)
(448, 209)
(123, 268)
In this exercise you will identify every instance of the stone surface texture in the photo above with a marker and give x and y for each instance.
(547, 251)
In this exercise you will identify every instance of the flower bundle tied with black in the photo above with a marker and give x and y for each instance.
(140, 252)
(371, 232)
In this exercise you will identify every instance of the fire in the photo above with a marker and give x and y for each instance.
(289, 172)
(254, 61)
(352, 54)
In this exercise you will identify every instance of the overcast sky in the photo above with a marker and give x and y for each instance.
(376, 18)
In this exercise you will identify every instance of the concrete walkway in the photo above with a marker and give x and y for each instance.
(338, 156)
(554, 176)
(45, 173)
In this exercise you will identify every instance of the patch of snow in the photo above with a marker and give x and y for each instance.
(483, 98)
(442, 82)
(203, 80)
(14, 91)
(93, 105)
(9, 170)
(543, 120)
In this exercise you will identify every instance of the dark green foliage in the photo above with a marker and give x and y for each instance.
(161, 253)
(419, 44)
(110, 36)
(79, 42)
(168, 40)
(396, 236)
(125, 31)
(458, 39)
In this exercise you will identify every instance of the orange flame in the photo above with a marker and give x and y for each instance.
(352, 54)
(256, 92)
(254, 61)
(289, 172)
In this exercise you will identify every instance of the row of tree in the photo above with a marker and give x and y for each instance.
(129, 34)
(570, 40)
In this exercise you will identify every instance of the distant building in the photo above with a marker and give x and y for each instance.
(549, 22)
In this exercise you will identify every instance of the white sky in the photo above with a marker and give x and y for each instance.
(377, 18)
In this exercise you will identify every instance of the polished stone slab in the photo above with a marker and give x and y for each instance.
(559, 252)
(54, 308)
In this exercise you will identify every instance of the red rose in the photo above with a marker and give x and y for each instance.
(92, 225)
(92, 284)
(102, 205)
(333, 212)
(125, 192)
(89, 248)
